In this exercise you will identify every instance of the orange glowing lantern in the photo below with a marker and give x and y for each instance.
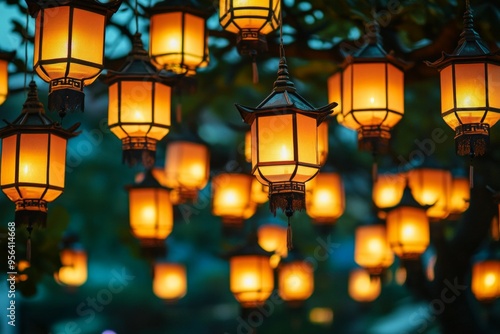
(486, 280)
(260, 192)
(325, 200)
(169, 281)
(372, 251)
(73, 272)
(296, 281)
(460, 196)
(272, 238)
(388, 191)
(363, 287)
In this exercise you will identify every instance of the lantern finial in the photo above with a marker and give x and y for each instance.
(283, 82)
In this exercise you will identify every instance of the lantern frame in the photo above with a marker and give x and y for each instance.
(5, 57)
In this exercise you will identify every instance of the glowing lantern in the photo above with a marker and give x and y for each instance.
(5, 58)
(388, 191)
(231, 197)
(470, 90)
(139, 106)
(296, 281)
(460, 196)
(33, 161)
(408, 227)
(432, 187)
(251, 276)
(69, 47)
(363, 287)
(272, 238)
(372, 88)
(325, 201)
(187, 168)
(151, 212)
(73, 272)
(486, 280)
(178, 37)
(169, 281)
(252, 20)
(372, 250)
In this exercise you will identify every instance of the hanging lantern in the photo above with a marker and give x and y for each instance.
(186, 169)
(372, 88)
(285, 143)
(231, 198)
(169, 281)
(73, 272)
(387, 191)
(260, 192)
(33, 161)
(251, 276)
(432, 187)
(178, 39)
(272, 238)
(470, 94)
(139, 106)
(372, 251)
(69, 47)
(325, 201)
(296, 281)
(151, 213)
(408, 227)
(460, 196)
(363, 287)
(5, 58)
(252, 20)
(486, 280)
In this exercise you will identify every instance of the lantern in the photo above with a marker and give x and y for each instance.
(251, 276)
(296, 281)
(272, 238)
(139, 106)
(387, 191)
(5, 58)
(363, 287)
(284, 142)
(73, 272)
(151, 212)
(231, 198)
(169, 281)
(325, 201)
(251, 20)
(408, 227)
(372, 250)
(321, 316)
(372, 88)
(460, 196)
(178, 39)
(186, 169)
(33, 161)
(432, 187)
(486, 280)
(69, 47)
(470, 90)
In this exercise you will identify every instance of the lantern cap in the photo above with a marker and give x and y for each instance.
(33, 118)
(108, 9)
(284, 100)
(251, 247)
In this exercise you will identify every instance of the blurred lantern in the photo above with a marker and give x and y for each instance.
(69, 47)
(22, 273)
(296, 281)
(432, 187)
(325, 201)
(178, 39)
(363, 287)
(251, 276)
(5, 58)
(139, 106)
(73, 271)
(187, 168)
(323, 142)
(470, 90)
(285, 143)
(486, 280)
(387, 191)
(260, 192)
(272, 238)
(408, 227)
(372, 92)
(460, 196)
(321, 316)
(151, 213)
(33, 161)
(231, 198)
(169, 281)
(372, 250)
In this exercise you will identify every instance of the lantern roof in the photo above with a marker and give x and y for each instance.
(284, 99)
(33, 119)
(108, 9)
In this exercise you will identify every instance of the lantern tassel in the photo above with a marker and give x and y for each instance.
(255, 70)
(374, 171)
(289, 242)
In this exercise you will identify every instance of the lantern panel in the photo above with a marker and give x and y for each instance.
(251, 279)
(493, 89)
(363, 287)
(307, 136)
(194, 28)
(231, 196)
(275, 138)
(151, 214)
(470, 90)
(432, 187)
(74, 267)
(325, 197)
(169, 43)
(447, 95)
(388, 190)
(85, 44)
(186, 165)
(169, 281)
(408, 231)
(33, 164)
(136, 107)
(396, 94)
(460, 195)
(296, 281)
(248, 146)
(8, 163)
(347, 92)
(113, 110)
(369, 91)
(4, 80)
(371, 248)
(322, 142)
(486, 280)
(335, 90)
(162, 111)
(57, 161)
